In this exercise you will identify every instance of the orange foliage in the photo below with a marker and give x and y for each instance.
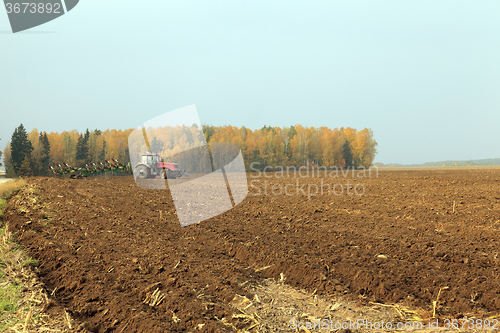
(269, 146)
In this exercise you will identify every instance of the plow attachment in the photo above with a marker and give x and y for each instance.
(89, 169)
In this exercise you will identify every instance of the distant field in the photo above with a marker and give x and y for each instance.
(485, 167)
(2, 180)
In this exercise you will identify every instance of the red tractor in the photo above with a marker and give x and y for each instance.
(152, 166)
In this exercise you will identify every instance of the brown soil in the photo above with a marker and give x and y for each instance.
(115, 256)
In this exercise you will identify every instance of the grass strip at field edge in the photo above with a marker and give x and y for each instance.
(12, 261)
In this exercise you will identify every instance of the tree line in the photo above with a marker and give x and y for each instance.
(299, 146)
(30, 154)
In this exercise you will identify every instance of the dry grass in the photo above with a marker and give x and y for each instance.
(22, 296)
(6, 188)
(11, 260)
(11, 185)
(275, 305)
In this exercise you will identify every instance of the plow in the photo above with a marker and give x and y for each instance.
(91, 169)
(150, 166)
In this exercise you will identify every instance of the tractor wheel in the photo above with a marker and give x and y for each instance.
(170, 174)
(142, 172)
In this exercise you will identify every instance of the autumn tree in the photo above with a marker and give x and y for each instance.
(68, 146)
(94, 145)
(26, 168)
(7, 157)
(34, 158)
(314, 145)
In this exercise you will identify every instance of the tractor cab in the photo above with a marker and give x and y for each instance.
(151, 160)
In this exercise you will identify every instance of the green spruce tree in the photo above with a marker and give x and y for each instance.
(21, 148)
(102, 156)
(82, 147)
(45, 156)
(347, 154)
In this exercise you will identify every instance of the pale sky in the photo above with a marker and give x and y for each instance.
(423, 75)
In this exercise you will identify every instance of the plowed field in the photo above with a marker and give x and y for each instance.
(115, 257)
